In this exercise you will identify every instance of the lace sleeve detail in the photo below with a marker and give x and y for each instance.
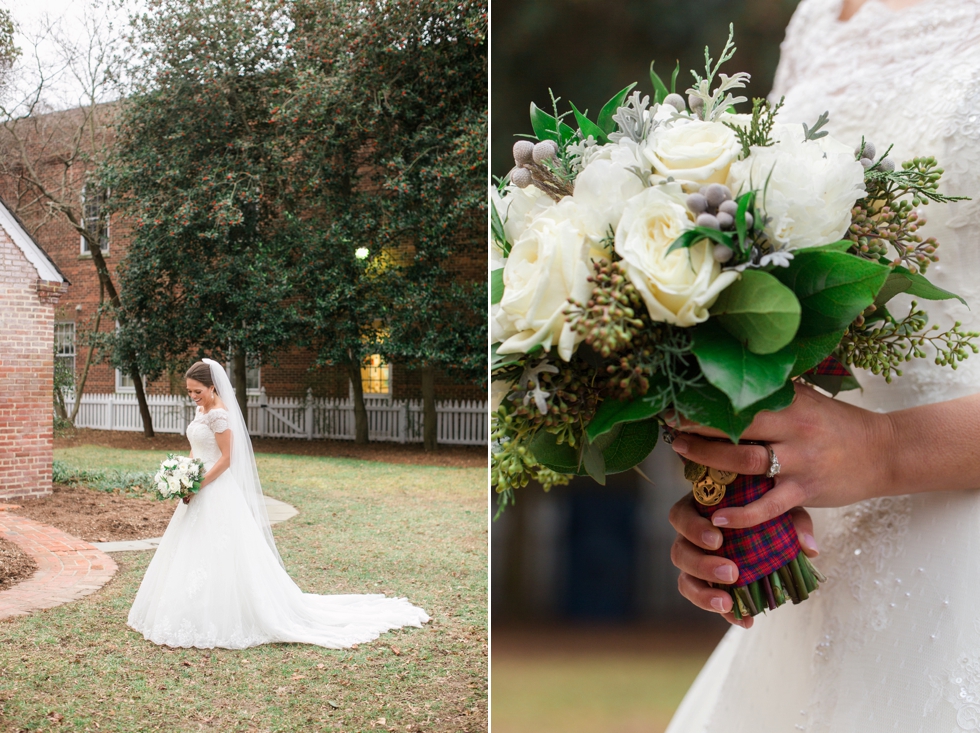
(217, 420)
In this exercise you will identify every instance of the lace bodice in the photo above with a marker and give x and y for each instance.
(909, 78)
(201, 432)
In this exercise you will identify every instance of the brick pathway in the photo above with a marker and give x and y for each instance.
(67, 568)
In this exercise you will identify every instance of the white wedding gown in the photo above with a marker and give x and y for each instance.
(892, 641)
(215, 582)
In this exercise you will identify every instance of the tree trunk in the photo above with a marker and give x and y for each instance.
(95, 248)
(430, 420)
(360, 411)
(239, 382)
(89, 357)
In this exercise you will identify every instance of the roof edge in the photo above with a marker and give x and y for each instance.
(46, 268)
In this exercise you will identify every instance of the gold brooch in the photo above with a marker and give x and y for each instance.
(709, 483)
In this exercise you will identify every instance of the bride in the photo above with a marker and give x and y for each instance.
(892, 641)
(216, 579)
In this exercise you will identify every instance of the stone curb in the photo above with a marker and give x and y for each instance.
(67, 568)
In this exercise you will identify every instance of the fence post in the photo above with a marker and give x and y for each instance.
(403, 422)
(110, 412)
(263, 407)
(309, 413)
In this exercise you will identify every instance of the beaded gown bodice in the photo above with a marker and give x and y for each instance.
(892, 641)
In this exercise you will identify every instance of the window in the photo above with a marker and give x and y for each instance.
(124, 382)
(96, 217)
(64, 345)
(376, 376)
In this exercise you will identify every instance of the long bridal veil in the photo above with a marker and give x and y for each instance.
(243, 467)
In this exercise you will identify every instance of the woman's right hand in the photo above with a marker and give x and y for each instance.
(695, 534)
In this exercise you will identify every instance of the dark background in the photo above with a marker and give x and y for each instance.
(587, 50)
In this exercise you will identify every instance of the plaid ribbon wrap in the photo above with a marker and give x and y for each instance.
(758, 550)
(763, 549)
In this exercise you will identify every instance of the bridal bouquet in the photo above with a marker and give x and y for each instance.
(680, 256)
(178, 477)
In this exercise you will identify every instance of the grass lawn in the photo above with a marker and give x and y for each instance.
(363, 527)
(585, 693)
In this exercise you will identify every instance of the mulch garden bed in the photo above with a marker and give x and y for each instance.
(15, 564)
(457, 456)
(99, 516)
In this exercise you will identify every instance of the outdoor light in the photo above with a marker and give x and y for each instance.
(361, 253)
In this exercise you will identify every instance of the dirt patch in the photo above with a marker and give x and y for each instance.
(456, 456)
(15, 564)
(99, 516)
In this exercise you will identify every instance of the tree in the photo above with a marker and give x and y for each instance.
(397, 92)
(48, 160)
(200, 168)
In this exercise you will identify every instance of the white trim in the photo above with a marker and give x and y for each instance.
(35, 255)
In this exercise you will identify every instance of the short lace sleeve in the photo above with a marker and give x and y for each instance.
(217, 420)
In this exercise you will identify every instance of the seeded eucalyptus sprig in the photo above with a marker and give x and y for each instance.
(884, 344)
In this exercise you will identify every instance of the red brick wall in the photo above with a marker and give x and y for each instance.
(27, 308)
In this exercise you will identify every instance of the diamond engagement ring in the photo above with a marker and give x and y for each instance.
(773, 463)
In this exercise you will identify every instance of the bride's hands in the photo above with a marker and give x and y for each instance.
(830, 454)
(695, 534)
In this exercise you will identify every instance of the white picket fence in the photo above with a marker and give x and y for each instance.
(400, 421)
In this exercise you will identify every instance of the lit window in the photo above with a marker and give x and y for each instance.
(375, 376)
(96, 218)
(64, 344)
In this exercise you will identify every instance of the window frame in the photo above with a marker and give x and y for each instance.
(74, 343)
(376, 395)
(83, 243)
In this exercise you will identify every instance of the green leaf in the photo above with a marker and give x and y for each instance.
(593, 462)
(696, 234)
(811, 350)
(673, 78)
(841, 246)
(547, 127)
(634, 443)
(745, 201)
(587, 127)
(745, 377)
(615, 412)
(659, 88)
(605, 119)
(497, 228)
(833, 288)
(630, 443)
(759, 311)
(709, 406)
(903, 280)
(496, 285)
(501, 360)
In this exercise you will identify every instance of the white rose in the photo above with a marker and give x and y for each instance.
(173, 484)
(549, 264)
(812, 187)
(607, 182)
(518, 207)
(679, 287)
(162, 487)
(693, 153)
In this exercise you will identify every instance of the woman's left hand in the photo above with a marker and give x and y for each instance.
(830, 454)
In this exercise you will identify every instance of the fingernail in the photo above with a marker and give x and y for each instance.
(725, 573)
(718, 604)
(809, 543)
(719, 521)
(711, 538)
(680, 445)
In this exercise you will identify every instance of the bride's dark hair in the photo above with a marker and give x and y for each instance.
(200, 372)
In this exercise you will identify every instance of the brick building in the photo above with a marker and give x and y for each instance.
(30, 288)
(286, 374)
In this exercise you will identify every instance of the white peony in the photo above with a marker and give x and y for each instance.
(608, 181)
(679, 287)
(812, 187)
(693, 153)
(549, 264)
